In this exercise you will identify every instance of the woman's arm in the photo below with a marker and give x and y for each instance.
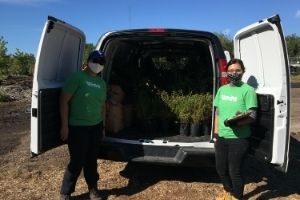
(216, 121)
(249, 119)
(64, 114)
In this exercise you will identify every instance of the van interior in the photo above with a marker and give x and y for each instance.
(151, 82)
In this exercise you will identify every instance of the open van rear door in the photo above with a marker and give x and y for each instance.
(59, 54)
(262, 48)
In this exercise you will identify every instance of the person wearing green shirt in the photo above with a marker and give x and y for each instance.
(82, 106)
(235, 105)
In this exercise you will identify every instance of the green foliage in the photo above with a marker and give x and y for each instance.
(178, 104)
(150, 103)
(19, 63)
(226, 42)
(22, 63)
(293, 45)
(167, 105)
(3, 77)
(188, 107)
(87, 49)
(183, 108)
(4, 97)
(201, 107)
(4, 58)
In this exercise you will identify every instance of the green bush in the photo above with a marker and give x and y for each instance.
(193, 108)
(201, 107)
(3, 96)
(175, 103)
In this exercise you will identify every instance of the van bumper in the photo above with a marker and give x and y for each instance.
(163, 155)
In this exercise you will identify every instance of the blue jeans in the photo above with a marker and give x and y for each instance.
(83, 144)
(230, 154)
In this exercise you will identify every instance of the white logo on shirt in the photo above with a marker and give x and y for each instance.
(90, 84)
(229, 98)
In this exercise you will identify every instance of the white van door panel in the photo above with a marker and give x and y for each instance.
(59, 54)
(262, 48)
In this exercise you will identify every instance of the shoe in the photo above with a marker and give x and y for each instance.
(65, 197)
(233, 198)
(94, 194)
(224, 196)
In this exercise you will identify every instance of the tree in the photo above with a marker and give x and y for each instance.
(87, 49)
(226, 42)
(293, 45)
(4, 58)
(22, 63)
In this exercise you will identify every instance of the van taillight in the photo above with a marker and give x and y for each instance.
(223, 74)
(157, 30)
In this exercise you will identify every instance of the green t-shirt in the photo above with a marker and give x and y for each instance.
(230, 99)
(89, 95)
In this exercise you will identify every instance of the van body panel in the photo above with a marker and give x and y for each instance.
(59, 54)
(262, 48)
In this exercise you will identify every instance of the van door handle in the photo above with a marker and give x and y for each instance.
(34, 112)
(279, 102)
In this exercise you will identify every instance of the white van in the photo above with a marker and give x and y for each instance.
(143, 60)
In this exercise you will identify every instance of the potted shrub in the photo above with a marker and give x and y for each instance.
(200, 112)
(166, 112)
(176, 108)
(180, 105)
(184, 114)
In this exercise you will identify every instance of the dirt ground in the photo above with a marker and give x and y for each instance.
(23, 177)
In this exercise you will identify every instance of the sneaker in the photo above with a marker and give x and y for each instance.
(94, 194)
(65, 197)
(224, 196)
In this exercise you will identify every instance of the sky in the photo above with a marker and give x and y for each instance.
(22, 21)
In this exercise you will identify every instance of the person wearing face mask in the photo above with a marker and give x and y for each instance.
(235, 105)
(82, 104)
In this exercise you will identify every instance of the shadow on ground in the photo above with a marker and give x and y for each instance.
(277, 184)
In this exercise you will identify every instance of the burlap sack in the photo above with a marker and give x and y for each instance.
(116, 94)
(114, 117)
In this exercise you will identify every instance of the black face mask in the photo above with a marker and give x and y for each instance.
(235, 78)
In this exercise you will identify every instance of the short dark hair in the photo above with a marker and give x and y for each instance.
(234, 61)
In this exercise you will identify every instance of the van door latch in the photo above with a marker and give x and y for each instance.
(279, 102)
(34, 112)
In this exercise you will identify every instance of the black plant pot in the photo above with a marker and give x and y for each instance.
(196, 129)
(184, 129)
(206, 129)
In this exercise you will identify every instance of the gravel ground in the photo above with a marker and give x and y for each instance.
(23, 177)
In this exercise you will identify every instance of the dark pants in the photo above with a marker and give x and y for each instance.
(230, 154)
(83, 144)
